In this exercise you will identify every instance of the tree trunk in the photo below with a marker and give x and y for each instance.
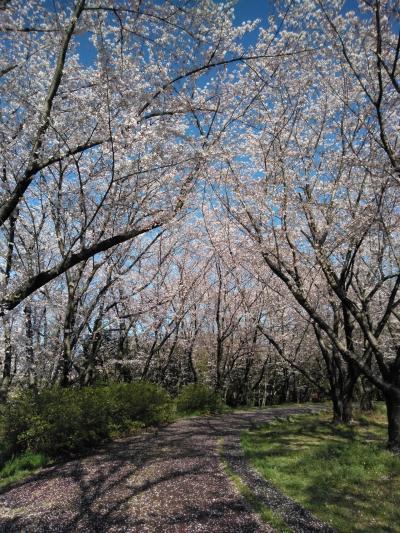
(347, 409)
(65, 369)
(5, 376)
(342, 382)
(393, 416)
(190, 363)
(122, 371)
(6, 364)
(342, 403)
(66, 363)
(366, 403)
(366, 396)
(30, 356)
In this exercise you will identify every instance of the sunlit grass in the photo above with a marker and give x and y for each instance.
(342, 474)
(21, 467)
(267, 515)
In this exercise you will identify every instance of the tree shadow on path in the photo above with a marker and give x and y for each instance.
(167, 480)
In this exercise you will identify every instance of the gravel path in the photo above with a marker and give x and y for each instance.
(166, 480)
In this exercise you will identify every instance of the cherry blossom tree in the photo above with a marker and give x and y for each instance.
(314, 181)
(97, 153)
(180, 207)
(108, 146)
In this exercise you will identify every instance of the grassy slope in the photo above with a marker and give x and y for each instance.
(343, 475)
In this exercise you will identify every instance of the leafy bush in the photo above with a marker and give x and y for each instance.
(58, 421)
(198, 398)
(140, 402)
(55, 420)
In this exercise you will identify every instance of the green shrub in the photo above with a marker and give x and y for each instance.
(198, 398)
(58, 421)
(141, 402)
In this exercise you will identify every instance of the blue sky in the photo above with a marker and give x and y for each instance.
(250, 10)
(253, 9)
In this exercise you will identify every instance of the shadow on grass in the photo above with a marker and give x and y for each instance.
(332, 470)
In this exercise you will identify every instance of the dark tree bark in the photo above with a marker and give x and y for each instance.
(30, 355)
(5, 368)
(366, 396)
(393, 415)
(342, 379)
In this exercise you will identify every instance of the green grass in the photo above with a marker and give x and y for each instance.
(342, 474)
(266, 514)
(21, 467)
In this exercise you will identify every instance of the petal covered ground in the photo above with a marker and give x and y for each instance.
(166, 480)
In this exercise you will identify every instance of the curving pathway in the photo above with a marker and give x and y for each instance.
(166, 480)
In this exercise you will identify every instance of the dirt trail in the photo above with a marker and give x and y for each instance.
(169, 480)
